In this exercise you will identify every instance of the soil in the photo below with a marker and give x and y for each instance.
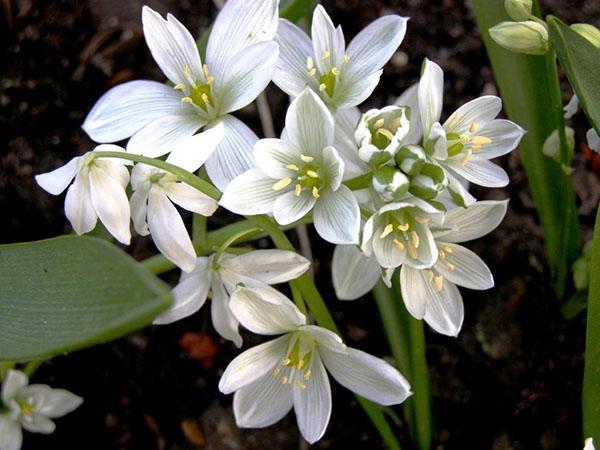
(511, 380)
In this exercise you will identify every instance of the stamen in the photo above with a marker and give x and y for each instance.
(346, 59)
(307, 159)
(464, 139)
(312, 72)
(307, 374)
(439, 283)
(430, 275)
(309, 63)
(179, 87)
(187, 100)
(450, 265)
(300, 364)
(276, 371)
(414, 237)
(284, 380)
(398, 244)
(378, 123)
(292, 167)
(454, 121)
(298, 190)
(481, 140)
(322, 87)
(473, 127)
(422, 219)
(395, 124)
(385, 132)
(300, 385)
(466, 158)
(187, 71)
(387, 230)
(448, 249)
(205, 70)
(286, 362)
(335, 71)
(442, 254)
(205, 99)
(210, 79)
(280, 185)
(476, 147)
(326, 54)
(412, 251)
(403, 227)
(315, 192)
(312, 174)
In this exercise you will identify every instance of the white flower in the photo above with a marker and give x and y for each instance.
(352, 272)
(380, 133)
(289, 371)
(589, 444)
(343, 77)
(431, 293)
(344, 142)
(470, 137)
(259, 268)
(31, 407)
(299, 173)
(98, 192)
(399, 233)
(240, 60)
(593, 140)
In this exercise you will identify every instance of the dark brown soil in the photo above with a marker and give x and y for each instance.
(512, 380)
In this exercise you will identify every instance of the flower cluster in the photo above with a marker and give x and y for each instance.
(389, 187)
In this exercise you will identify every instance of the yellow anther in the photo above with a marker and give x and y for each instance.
(280, 185)
(322, 87)
(284, 380)
(466, 158)
(335, 71)
(450, 265)
(187, 71)
(346, 59)
(481, 140)
(403, 227)
(387, 230)
(398, 243)
(473, 127)
(421, 219)
(378, 123)
(414, 238)
(309, 63)
(326, 54)
(300, 385)
(307, 159)
(286, 362)
(312, 174)
(179, 87)
(205, 99)
(465, 139)
(210, 79)
(300, 364)
(297, 190)
(276, 371)
(412, 251)
(205, 70)
(448, 249)
(312, 72)
(430, 275)
(442, 254)
(187, 100)
(475, 147)
(307, 374)
(385, 132)
(315, 192)
(292, 167)
(439, 283)
(395, 124)
(454, 121)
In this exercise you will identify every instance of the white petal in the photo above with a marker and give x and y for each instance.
(11, 436)
(110, 203)
(190, 294)
(249, 74)
(14, 381)
(410, 98)
(589, 444)
(37, 423)
(265, 311)
(326, 38)
(169, 232)
(325, 338)
(571, 108)
(253, 364)
(480, 171)
(50, 402)
(294, 47)
(346, 121)
(463, 267)
(309, 124)
(593, 139)
(191, 199)
(367, 376)
(289, 208)
(312, 405)
(268, 266)
(334, 167)
(127, 108)
(458, 189)
(505, 136)
(387, 254)
(239, 24)
(337, 216)
(352, 272)
(436, 140)
(193, 151)
(139, 211)
(372, 48)
(262, 403)
(431, 94)
(350, 92)
(414, 291)
(164, 134)
(78, 206)
(273, 155)
(233, 155)
(250, 193)
(473, 222)
(57, 181)
(222, 318)
(480, 112)
(172, 46)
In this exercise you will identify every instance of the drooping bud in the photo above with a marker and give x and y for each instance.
(410, 159)
(590, 32)
(380, 132)
(529, 37)
(390, 183)
(429, 182)
(551, 147)
(518, 10)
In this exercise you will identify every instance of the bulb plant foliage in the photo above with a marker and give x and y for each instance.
(389, 187)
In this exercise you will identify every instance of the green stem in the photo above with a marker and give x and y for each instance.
(360, 182)
(199, 233)
(32, 366)
(230, 241)
(298, 300)
(5, 366)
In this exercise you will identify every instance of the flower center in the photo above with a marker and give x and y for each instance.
(404, 232)
(26, 407)
(308, 176)
(382, 134)
(295, 367)
(327, 80)
(198, 92)
(468, 140)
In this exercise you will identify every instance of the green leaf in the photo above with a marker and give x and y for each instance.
(68, 293)
(294, 10)
(591, 374)
(531, 95)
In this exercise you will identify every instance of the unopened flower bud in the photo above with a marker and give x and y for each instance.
(410, 159)
(429, 183)
(590, 32)
(380, 132)
(390, 183)
(529, 37)
(518, 10)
